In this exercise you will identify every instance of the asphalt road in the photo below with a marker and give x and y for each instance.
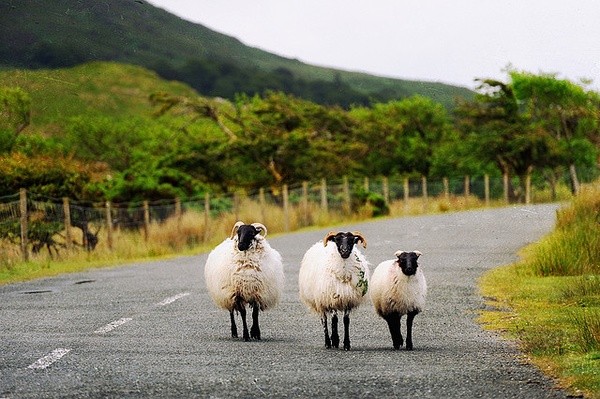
(150, 330)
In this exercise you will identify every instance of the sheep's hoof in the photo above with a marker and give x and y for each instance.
(335, 342)
(346, 346)
(255, 333)
(409, 347)
(327, 343)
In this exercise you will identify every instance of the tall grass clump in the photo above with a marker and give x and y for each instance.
(574, 247)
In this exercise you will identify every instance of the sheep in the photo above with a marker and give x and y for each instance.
(245, 270)
(334, 276)
(398, 288)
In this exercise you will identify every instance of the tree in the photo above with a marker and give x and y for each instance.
(15, 115)
(273, 139)
(403, 135)
(565, 110)
(499, 133)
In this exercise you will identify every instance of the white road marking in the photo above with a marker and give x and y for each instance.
(50, 358)
(111, 326)
(172, 299)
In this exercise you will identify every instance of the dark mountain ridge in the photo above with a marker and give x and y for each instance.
(62, 33)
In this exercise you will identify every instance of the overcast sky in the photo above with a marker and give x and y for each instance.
(451, 41)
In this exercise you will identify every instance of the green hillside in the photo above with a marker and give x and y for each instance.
(96, 88)
(60, 33)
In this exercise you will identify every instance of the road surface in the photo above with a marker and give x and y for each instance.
(150, 330)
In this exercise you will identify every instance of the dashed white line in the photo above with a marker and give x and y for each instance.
(111, 326)
(50, 358)
(172, 299)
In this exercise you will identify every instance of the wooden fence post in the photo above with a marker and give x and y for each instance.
(446, 188)
(206, 216)
(486, 183)
(286, 209)
(305, 214)
(366, 184)
(505, 187)
(424, 192)
(263, 205)
(178, 214)
(67, 222)
(386, 190)
(467, 186)
(406, 189)
(347, 200)
(324, 204)
(24, 220)
(528, 188)
(109, 226)
(146, 221)
(236, 205)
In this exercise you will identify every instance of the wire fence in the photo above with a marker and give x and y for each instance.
(32, 222)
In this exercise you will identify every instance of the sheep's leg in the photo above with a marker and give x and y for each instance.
(409, 322)
(335, 338)
(255, 330)
(393, 321)
(324, 321)
(233, 326)
(346, 330)
(242, 310)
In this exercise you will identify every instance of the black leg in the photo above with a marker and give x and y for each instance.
(346, 331)
(233, 326)
(393, 321)
(255, 330)
(324, 321)
(335, 338)
(241, 307)
(409, 323)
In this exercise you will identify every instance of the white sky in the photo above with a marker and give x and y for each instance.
(435, 40)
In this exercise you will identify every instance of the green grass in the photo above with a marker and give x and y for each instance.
(550, 301)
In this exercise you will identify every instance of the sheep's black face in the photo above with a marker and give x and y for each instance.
(345, 243)
(408, 262)
(246, 235)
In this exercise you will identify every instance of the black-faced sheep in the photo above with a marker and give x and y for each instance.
(245, 270)
(398, 288)
(334, 277)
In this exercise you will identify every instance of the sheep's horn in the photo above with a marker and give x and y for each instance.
(328, 236)
(360, 238)
(418, 253)
(235, 229)
(261, 228)
(398, 253)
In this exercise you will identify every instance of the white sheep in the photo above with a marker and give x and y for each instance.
(334, 277)
(245, 270)
(398, 288)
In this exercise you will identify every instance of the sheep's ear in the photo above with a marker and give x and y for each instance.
(418, 253)
(261, 228)
(328, 237)
(398, 253)
(235, 229)
(360, 238)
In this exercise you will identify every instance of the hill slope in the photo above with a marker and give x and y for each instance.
(96, 88)
(58, 33)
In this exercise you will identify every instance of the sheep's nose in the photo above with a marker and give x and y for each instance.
(345, 252)
(242, 246)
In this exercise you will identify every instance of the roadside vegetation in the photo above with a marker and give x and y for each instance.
(549, 302)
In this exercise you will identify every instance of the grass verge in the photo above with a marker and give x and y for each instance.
(550, 301)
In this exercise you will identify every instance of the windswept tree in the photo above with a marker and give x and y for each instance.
(500, 133)
(274, 139)
(565, 110)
